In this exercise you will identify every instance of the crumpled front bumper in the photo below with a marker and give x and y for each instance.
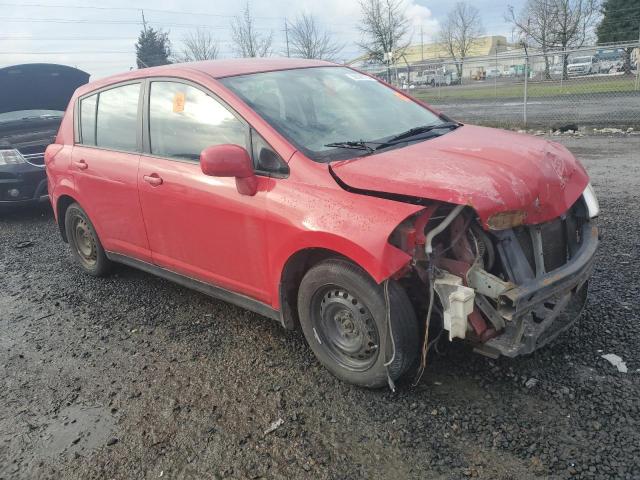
(538, 310)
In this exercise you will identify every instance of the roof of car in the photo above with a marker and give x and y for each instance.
(214, 68)
(242, 66)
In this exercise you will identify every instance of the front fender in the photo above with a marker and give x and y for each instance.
(303, 216)
(380, 262)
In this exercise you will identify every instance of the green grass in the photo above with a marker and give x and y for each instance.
(486, 90)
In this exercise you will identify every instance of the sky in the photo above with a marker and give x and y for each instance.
(100, 37)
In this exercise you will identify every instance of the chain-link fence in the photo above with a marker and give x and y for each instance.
(598, 86)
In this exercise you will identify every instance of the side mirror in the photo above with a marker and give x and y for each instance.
(230, 161)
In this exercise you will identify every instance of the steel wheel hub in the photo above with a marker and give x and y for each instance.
(85, 244)
(346, 328)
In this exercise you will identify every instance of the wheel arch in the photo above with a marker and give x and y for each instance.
(296, 266)
(378, 267)
(62, 204)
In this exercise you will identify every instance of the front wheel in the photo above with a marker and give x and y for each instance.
(343, 314)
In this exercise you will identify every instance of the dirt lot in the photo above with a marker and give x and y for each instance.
(134, 377)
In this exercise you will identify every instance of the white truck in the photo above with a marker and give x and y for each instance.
(583, 65)
(435, 77)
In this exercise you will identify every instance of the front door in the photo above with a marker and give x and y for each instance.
(197, 225)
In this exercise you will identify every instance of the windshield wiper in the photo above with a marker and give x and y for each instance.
(412, 132)
(353, 145)
(400, 138)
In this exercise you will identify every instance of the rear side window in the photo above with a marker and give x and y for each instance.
(184, 120)
(117, 123)
(88, 120)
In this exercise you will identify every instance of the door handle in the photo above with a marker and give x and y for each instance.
(81, 164)
(154, 179)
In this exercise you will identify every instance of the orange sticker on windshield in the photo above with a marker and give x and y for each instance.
(178, 102)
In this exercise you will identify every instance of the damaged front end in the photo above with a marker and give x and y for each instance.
(508, 290)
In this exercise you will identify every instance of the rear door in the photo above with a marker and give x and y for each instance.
(105, 164)
(199, 226)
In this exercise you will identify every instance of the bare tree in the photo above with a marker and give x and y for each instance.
(460, 32)
(573, 24)
(535, 23)
(248, 42)
(309, 40)
(198, 45)
(384, 28)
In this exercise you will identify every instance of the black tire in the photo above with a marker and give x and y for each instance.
(84, 242)
(342, 312)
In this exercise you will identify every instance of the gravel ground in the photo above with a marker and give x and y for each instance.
(134, 377)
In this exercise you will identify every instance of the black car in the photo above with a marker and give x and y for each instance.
(34, 97)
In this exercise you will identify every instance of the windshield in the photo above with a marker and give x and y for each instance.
(581, 60)
(29, 114)
(609, 55)
(313, 107)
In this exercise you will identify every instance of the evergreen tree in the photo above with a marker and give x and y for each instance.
(620, 23)
(153, 48)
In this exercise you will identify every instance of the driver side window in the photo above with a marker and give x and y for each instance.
(184, 120)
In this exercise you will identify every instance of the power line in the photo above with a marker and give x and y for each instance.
(137, 9)
(128, 22)
(102, 22)
(78, 38)
(77, 52)
(157, 10)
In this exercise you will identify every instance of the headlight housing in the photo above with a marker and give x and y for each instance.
(589, 195)
(11, 157)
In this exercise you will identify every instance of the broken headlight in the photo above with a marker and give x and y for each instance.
(589, 195)
(11, 157)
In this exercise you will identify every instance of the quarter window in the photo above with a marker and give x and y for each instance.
(184, 120)
(117, 121)
(88, 120)
(265, 159)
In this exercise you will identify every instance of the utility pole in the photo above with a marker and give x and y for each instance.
(144, 22)
(286, 35)
(495, 77)
(637, 62)
(390, 47)
(526, 78)
(421, 44)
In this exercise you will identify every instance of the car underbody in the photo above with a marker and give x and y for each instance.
(508, 291)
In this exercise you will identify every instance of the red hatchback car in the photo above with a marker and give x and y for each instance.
(312, 193)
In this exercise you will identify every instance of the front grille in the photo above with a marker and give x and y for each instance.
(524, 239)
(555, 241)
(554, 244)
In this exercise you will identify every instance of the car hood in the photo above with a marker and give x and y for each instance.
(39, 86)
(488, 169)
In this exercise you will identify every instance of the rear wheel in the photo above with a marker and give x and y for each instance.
(344, 319)
(84, 242)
